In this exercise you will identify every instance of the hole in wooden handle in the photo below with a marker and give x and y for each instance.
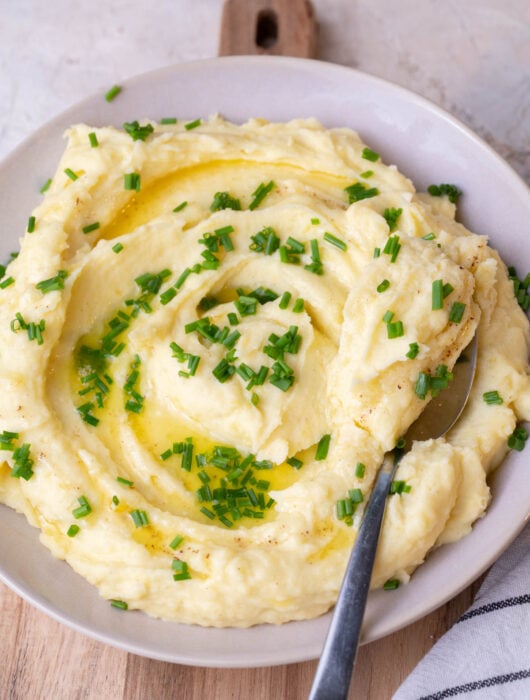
(266, 29)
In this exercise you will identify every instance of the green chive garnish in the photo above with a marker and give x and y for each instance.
(168, 120)
(295, 462)
(437, 295)
(46, 185)
(83, 509)
(70, 173)
(285, 299)
(181, 206)
(112, 93)
(31, 224)
(360, 470)
(414, 349)
(359, 191)
(383, 286)
(429, 236)
(452, 191)
(94, 143)
(117, 248)
(137, 132)
(368, 154)
(140, 517)
(131, 181)
(73, 530)
(91, 227)
(492, 397)
(391, 584)
(337, 242)
(298, 306)
(391, 216)
(395, 329)
(323, 447)
(457, 312)
(192, 125)
(120, 604)
(422, 385)
(125, 482)
(176, 541)
(260, 193)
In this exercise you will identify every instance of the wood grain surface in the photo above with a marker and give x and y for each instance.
(42, 659)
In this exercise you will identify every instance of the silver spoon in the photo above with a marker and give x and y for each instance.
(335, 668)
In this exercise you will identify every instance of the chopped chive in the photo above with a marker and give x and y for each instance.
(337, 242)
(91, 227)
(112, 93)
(377, 252)
(457, 312)
(137, 132)
(517, 439)
(233, 319)
(366, 174)
(260, 193)
(53, 283)
(452, 191)
(168, 120)
(192, 125)
(395, 329)
(181, 206)
(492, 397)
(383, 286)
(389, 315)
(70, 173)
(116, 500)
(391, 216)
(181, 570)
(46, 185)
(140, 517)
(131, 181)
(368, 154)
(360, 470)
(359, 191)
(31, 224)
(125, 482)
(73, 530)
(414, 349)
(176, 541)
(83, 509)
(295, 462)
(422, 385)
(93, 139)
(315, 221)
(117, 248)
(285, 299)
(429, 236)
(391, 584)
(323, 447)
(447, 289)
(437, 295)
(298, 306)
(224, 200)
(119, 604)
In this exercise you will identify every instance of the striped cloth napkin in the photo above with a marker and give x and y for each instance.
(486, 654)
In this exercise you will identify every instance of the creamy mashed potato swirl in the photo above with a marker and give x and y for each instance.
(213, 336)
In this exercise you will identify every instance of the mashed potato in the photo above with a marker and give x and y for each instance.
(212, 336)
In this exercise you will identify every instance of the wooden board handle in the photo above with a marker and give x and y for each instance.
(271, 27)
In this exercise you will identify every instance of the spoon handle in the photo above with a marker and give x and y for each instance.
(333, 675)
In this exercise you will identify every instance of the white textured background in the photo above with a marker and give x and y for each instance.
(472, 57)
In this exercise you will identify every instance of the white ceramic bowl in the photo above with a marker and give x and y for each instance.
(429, 146)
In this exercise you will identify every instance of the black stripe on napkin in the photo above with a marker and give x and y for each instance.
(496, 605)
(478, 685)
